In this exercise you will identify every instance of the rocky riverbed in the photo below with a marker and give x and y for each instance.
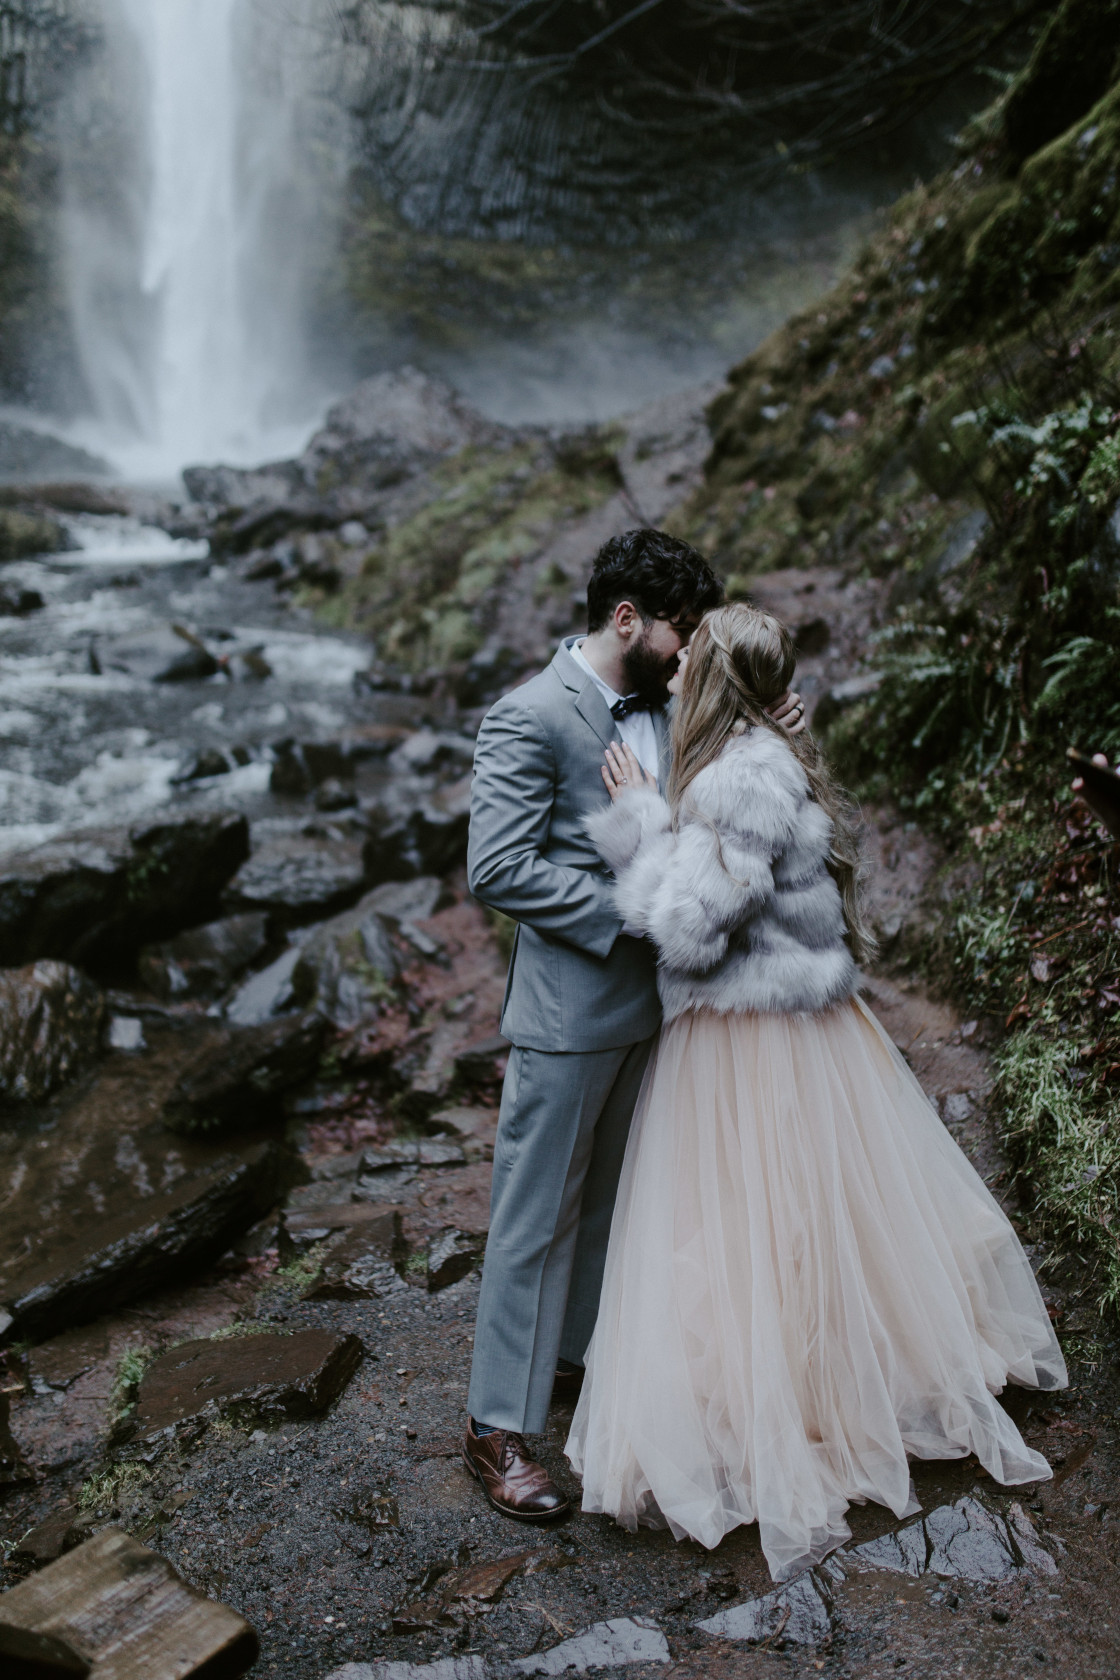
(250, 1067)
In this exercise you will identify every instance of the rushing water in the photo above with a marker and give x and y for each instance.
(184, 276)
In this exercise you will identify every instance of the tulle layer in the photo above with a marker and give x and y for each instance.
(807, 1284)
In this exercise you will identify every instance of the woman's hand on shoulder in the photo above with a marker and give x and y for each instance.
(789, 711)
(622, 771)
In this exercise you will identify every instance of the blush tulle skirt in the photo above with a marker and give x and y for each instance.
(807, 1285)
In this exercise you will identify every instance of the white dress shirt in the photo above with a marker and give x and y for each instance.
(636, 729)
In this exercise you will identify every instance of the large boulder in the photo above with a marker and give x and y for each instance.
(30, 457)
(51, 1017)
(385, 432)
(103, 1205)
(205, 960)
(416, 828)
(240, 1080)
(94, 897)
(345, 968)
(298, 872)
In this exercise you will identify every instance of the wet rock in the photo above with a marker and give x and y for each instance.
(341, 1216)
(32, 458)
(612, 1644)
(962, 1541)
(298, 872)
(481, 1066)
(114, 1608)
(403, 903)
(126, 1032)
(239, 1081)
(95, 897)
(428, 750)
(450, 1256)
(26, 532)
(17, 603)
(298, 1244)
(264, 1378)
(51, 1017)
(267, 994)
(334, 795)
(204, 960)
(346, 967)
(417, 831)
(800, 1612)
(299, 767)
(170, 655)
(477, 1125)
(426, 1152)
(14, 1470)
(157, 1239)
(214, 761)
(49, 1539)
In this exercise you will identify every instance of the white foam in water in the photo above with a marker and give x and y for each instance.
(111, 790)
(116, 539)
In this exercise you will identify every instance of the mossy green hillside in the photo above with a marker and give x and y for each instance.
(429, 592)
(948, 420)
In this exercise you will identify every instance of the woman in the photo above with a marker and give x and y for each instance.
(807, 1283)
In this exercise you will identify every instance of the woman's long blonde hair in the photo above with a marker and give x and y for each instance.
(741, 660)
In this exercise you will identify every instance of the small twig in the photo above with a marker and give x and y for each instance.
(557, 1627)
(776, 1632)
(1073, 928)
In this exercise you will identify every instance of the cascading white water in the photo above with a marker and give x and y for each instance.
(185, 283)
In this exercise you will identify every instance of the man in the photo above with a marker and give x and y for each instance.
(581, 1007)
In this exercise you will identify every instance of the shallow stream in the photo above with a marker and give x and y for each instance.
(89, 735)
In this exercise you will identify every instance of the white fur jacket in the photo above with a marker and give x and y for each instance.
(738, 900)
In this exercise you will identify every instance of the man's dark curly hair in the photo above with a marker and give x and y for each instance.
(662, 576)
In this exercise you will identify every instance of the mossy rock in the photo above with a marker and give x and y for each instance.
(1072, 64)
(25, 534)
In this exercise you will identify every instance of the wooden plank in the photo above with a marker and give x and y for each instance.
(127, 1613)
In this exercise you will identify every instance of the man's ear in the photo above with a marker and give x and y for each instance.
(626, 618)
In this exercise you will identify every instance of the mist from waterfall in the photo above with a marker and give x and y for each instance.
(191, 228)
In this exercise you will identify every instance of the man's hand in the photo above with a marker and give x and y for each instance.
(789, 711)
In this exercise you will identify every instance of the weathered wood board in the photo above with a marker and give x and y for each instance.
(119, 1612)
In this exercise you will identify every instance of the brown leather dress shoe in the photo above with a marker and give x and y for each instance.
(566, 1385)
(512, 1481)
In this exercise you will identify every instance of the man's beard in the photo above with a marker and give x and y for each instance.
(647, 673)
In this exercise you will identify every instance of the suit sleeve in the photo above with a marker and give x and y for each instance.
(511, 811)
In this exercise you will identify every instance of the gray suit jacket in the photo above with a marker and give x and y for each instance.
(576, 981)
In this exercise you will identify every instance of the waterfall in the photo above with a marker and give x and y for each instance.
(187, 277)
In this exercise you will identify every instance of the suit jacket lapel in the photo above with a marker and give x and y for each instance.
(589, 701)
(661, 721)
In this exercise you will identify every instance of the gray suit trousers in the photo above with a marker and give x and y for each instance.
(562, 1131)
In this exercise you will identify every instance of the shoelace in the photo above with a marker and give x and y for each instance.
(511, 1445)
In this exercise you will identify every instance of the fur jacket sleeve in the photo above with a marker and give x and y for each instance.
(738, 898)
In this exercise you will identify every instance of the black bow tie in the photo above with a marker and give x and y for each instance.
(632, 703)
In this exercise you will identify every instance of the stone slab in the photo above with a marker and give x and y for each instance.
(95, 897)
(266, 1377)
(963, 1541)
(240, 1080)
(612, 1644)
(800, 1612)
(120, 1258)
(128, 1615)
